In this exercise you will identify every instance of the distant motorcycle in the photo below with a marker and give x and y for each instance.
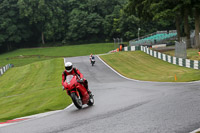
(77, 92)
(92, 60)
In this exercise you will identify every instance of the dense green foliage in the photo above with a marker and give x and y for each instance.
(27, 23)
(183, 13)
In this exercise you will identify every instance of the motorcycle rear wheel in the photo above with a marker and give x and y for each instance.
(76, 100)
(92, 62)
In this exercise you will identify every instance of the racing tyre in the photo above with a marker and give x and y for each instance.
(76, 100)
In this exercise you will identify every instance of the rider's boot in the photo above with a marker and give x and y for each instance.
(86, 86)
(89, 92)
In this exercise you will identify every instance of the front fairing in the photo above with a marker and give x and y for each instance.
(70, 82)
(72, 85)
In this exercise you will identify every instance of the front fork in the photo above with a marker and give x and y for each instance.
(75, 91)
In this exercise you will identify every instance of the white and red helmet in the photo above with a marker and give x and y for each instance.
(68, 67)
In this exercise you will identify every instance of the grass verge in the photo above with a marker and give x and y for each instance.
(22, 57)
(192, 54)
(32, 89)
(140, 66)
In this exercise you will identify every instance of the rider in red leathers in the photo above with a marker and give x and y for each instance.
(70, 70)
(91, 57)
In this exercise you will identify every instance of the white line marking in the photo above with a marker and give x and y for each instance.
(53, 112)
(135, 79)
(141, 81)
(69, 106)
(126, 77)
(195, 131)
(36, 116)
(115, 70)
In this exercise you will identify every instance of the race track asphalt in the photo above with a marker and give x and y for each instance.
(122, 106)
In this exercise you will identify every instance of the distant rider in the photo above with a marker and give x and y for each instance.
(91, 57)
(70, 70)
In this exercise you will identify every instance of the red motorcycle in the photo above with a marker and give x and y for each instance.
(76, 90)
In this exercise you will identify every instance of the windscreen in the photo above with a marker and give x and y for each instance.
(69, 78)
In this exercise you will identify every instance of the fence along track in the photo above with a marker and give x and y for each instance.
(194, 64)
(5, 68)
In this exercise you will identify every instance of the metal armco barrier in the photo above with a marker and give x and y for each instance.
(5, 68)
(194, 64)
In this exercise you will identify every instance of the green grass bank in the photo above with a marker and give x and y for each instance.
(22, 57)
(192, 54)
(34, 84)
(32, 89)
(140, 66)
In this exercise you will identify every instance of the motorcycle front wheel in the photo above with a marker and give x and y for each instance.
(76, 100)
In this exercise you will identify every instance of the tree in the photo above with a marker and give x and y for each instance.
(152, 14)
(164, 9)
(92, 19)
(196, 5)
(167, 10)
(55, 26)
(179, 10)
(12, 30)
(38, 13)
(186, 5)
(83, 25)
(128, 25)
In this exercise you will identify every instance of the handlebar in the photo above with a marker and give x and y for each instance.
(80, 80)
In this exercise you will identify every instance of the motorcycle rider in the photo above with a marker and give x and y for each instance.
(70, 70)
(91, 57)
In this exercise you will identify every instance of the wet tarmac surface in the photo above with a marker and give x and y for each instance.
(122, 106)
